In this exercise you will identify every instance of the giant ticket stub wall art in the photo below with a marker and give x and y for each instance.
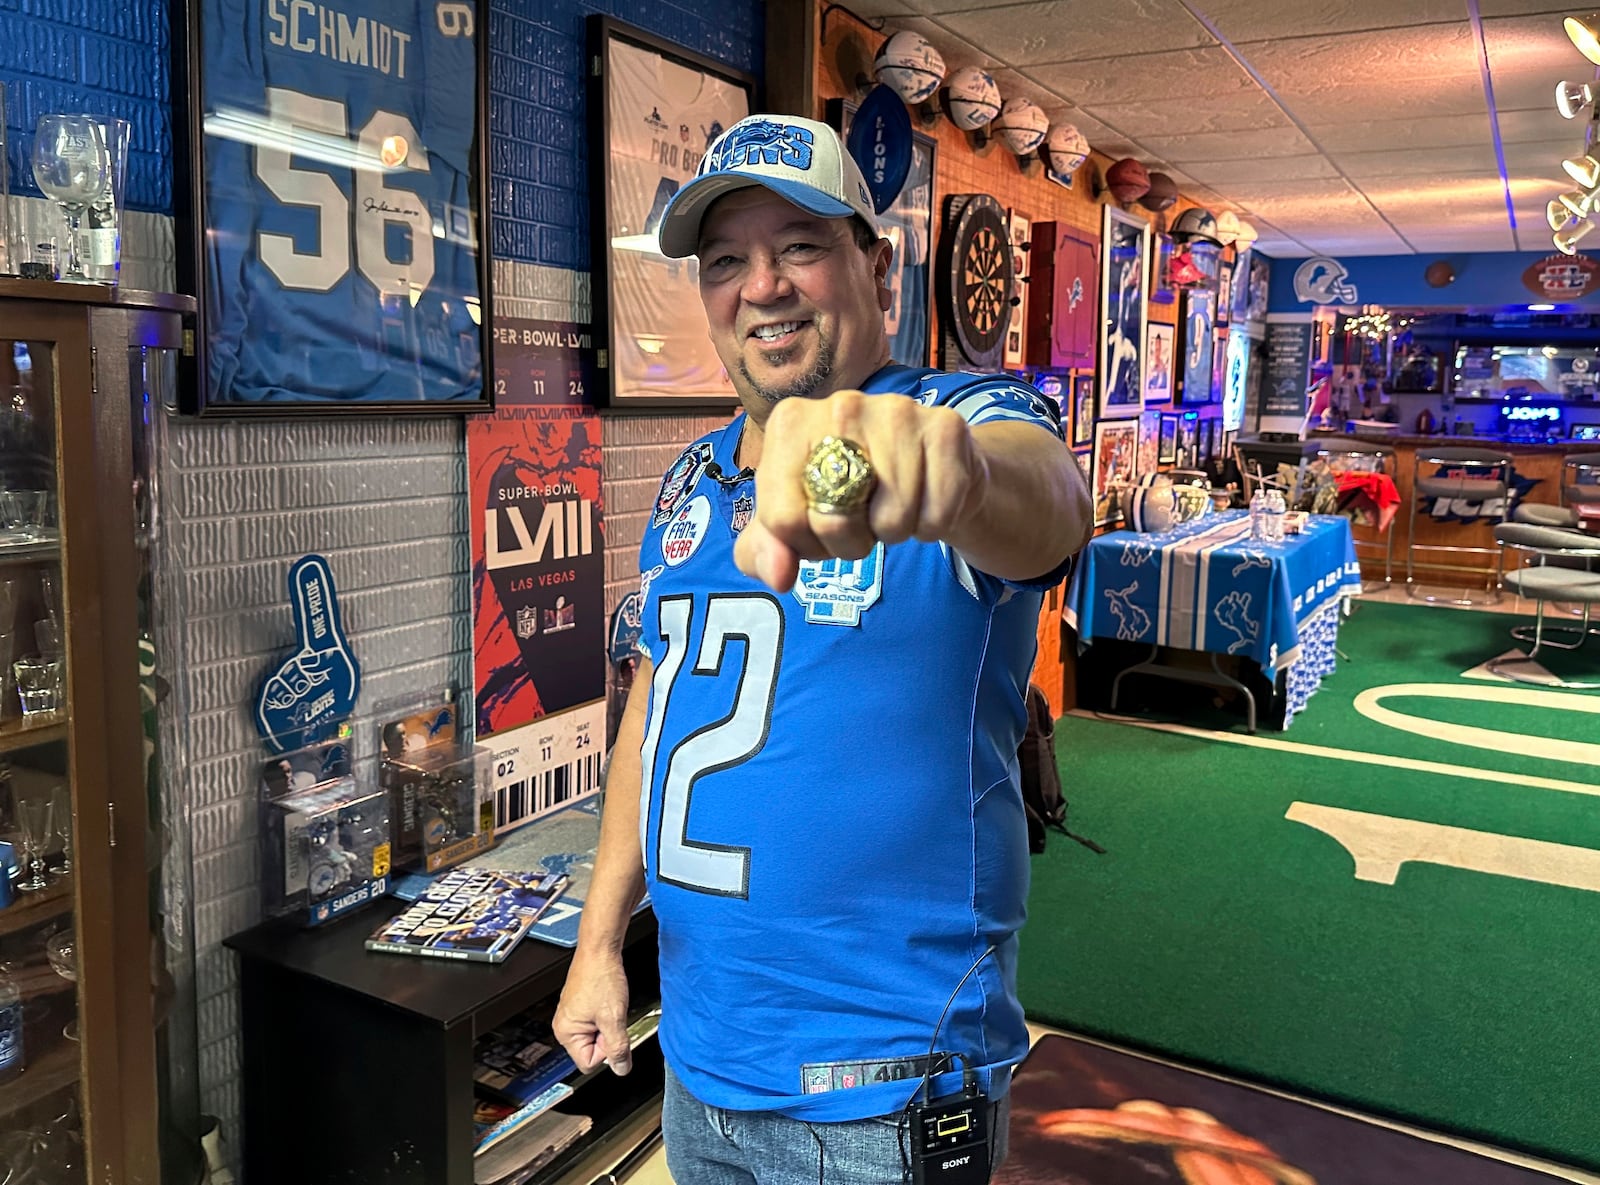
(330, 201)
(654, 109)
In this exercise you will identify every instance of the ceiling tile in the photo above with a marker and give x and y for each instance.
(1358, 133)
(1429, 70)
(872, 9)
(1541, 159)
(1239, 110)
(1527, 56)
(1385, 242)
(1455, 241)
(1207, 71)
(1230, 145)
(1223, 173)
(1477, 159)
(955, 51)
(1543, 122)
(1243, 21)
(1028, 34)
(1523, 8)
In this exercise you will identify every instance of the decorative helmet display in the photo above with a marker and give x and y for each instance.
(1065, 149)
(1196, 223)
(1162, 194)
(908, 64)
(1227, 228)
(1246, 237)
(1127, 180)
(974, 98)
(1020, 126)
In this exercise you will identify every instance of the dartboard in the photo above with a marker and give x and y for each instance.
(976, 272)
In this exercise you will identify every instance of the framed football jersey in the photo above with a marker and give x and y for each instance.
(330, 192)
(654, 110)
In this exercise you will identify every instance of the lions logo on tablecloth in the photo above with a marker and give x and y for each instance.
(838, 592)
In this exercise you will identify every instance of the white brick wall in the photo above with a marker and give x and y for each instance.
(385, 501)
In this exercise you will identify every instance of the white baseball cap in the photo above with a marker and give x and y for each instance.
(800, 160)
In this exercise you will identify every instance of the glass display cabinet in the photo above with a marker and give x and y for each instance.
(97, 1050)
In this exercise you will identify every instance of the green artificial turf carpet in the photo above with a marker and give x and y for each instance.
(1463, 996)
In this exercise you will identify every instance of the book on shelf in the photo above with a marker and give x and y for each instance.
(519, 1060)
(470, 913)
(523, 1155)
(494, 1121)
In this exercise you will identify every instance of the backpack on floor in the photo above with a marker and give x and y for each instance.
(1041, 777)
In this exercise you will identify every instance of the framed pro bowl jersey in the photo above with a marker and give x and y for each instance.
(336, 236)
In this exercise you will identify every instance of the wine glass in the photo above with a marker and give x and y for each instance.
(71, 165)
(38, 822)
(63, 826)
(61, 948)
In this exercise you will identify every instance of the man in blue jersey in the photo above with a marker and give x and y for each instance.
(841, 594)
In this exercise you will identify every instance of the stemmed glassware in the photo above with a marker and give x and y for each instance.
(72, 166)
(37, 816)
(62, 798)
(61, 948)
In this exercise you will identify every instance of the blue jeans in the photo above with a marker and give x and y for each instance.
(711, 1146)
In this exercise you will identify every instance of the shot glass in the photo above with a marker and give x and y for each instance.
(38, 685)
(47, 633)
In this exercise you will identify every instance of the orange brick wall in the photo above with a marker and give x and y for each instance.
(993, 169)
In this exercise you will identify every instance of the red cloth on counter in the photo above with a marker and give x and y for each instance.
(1371, 497)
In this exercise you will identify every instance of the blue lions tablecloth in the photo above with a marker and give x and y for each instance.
(1205, 586)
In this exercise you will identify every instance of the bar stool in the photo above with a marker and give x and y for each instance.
(1580, 482)
(1349, 454)
(1472, 489)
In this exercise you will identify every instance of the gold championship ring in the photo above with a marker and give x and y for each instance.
(838, 477)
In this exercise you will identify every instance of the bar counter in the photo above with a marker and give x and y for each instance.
(1537, 460)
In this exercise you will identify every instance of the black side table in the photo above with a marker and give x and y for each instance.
(357, 1066)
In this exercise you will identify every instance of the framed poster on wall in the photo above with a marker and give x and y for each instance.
(1124, 263)
(330, 185)
(654, 109)
(1199, 305)
(908, 224)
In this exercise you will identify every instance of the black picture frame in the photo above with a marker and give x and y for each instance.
(1083, 401)
(1167, 452)
(908, 219)
(1124, 271)
(1195, 341)
(411, 347)
(649, 323)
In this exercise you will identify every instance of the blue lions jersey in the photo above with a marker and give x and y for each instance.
(341, 259)
(830, 814)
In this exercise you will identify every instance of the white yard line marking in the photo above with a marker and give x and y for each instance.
(1380, 844)
(1379, 759)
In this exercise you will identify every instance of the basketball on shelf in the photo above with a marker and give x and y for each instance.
(974, 99)
(1162, 194)
(909, 65)
(1065, 149)
(1127, 180)
(1020, 126)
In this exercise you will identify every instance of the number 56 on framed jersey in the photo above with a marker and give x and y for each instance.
(335, 233)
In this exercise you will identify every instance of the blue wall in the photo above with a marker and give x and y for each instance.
(1486, 280)
(111, 56)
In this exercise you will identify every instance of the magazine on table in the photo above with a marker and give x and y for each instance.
(470, 913)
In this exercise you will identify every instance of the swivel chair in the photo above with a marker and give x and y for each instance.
(1567, 569)
(1580, 482)
(1480, 489)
